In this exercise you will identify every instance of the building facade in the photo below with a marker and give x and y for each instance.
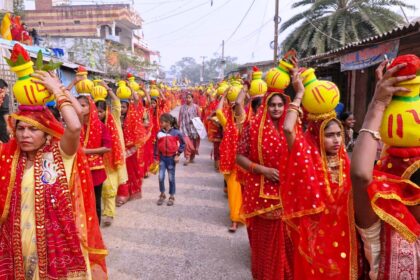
(6, 6)
(107, 37)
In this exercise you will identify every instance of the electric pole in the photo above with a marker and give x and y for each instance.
(222, 62)
(276, 30)
(202, 69)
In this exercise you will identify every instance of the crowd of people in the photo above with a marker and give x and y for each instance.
(316, 202)
(310, 212)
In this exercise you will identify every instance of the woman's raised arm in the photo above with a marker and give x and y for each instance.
(364, 152)
(70, 140)
(292, 113)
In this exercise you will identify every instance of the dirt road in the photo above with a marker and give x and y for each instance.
(186, 241)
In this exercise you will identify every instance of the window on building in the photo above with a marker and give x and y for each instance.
(117, 30)
(77, 22)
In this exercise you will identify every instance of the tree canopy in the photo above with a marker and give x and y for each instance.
(331, 24)
(189, 68)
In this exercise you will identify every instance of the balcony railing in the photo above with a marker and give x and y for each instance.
(114, 38)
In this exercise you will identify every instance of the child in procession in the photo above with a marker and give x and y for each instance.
(169, 146)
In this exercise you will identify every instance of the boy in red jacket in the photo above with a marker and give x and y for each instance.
(169, 146)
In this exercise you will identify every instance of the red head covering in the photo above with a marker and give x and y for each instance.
(76, 212)
(229, 143)
(116, 156)
(91, 136)
(317, 204)
(133, 129)
(41, 118)
(268, 147)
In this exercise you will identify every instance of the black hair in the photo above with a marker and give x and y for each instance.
(101, 105)
(55, 112)
(415, 178)
(189, 93)
(256, 103)
(83, 97)
(3, 84)
(331, 122)
(344, 116)
(166, 117)
(282, 96)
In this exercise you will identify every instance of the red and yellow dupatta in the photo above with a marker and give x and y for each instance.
(116, 157)
(392, 191)
(268, 147)
(318, 207)
(91, 137)
(229, 143)
(70, 206)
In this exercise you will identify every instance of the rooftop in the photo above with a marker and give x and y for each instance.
(400, 31)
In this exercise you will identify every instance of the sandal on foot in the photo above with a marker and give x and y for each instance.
(161, 199)
(171, 201)
(233, 227)
(120, 202)
(107, 221)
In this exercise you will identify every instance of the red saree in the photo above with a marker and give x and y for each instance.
(318, 207)
(229, 144)
(116, 157)
(90, 138)
(134, 137)
(271, 247)
(69, 207)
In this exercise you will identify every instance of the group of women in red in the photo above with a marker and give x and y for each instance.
(119, 140)
(62, 163)
(310, 212)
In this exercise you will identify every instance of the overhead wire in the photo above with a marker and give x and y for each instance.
(161, 2)
(160, 5)
(192, 22)
(176, 14)
(252, 33)
(240, 23)
(259, 33)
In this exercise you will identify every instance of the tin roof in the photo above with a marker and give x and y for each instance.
(400, 31)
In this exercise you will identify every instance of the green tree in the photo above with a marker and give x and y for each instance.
(189, 68)
(19, 7)
(331, 24)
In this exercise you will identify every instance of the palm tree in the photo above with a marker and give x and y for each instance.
(331, 24)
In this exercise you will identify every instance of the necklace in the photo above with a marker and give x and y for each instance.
(333, 165)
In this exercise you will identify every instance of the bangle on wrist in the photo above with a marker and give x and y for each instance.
(294, 105)
(61, 101)
(64, 105)
(375, 134)
(251, 167)
(298, 111)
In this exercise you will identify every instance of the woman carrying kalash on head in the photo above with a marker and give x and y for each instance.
(48, 224)
(262, 152)
(316, 196)
(95, 141)
(114, 161)
(387, 195)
